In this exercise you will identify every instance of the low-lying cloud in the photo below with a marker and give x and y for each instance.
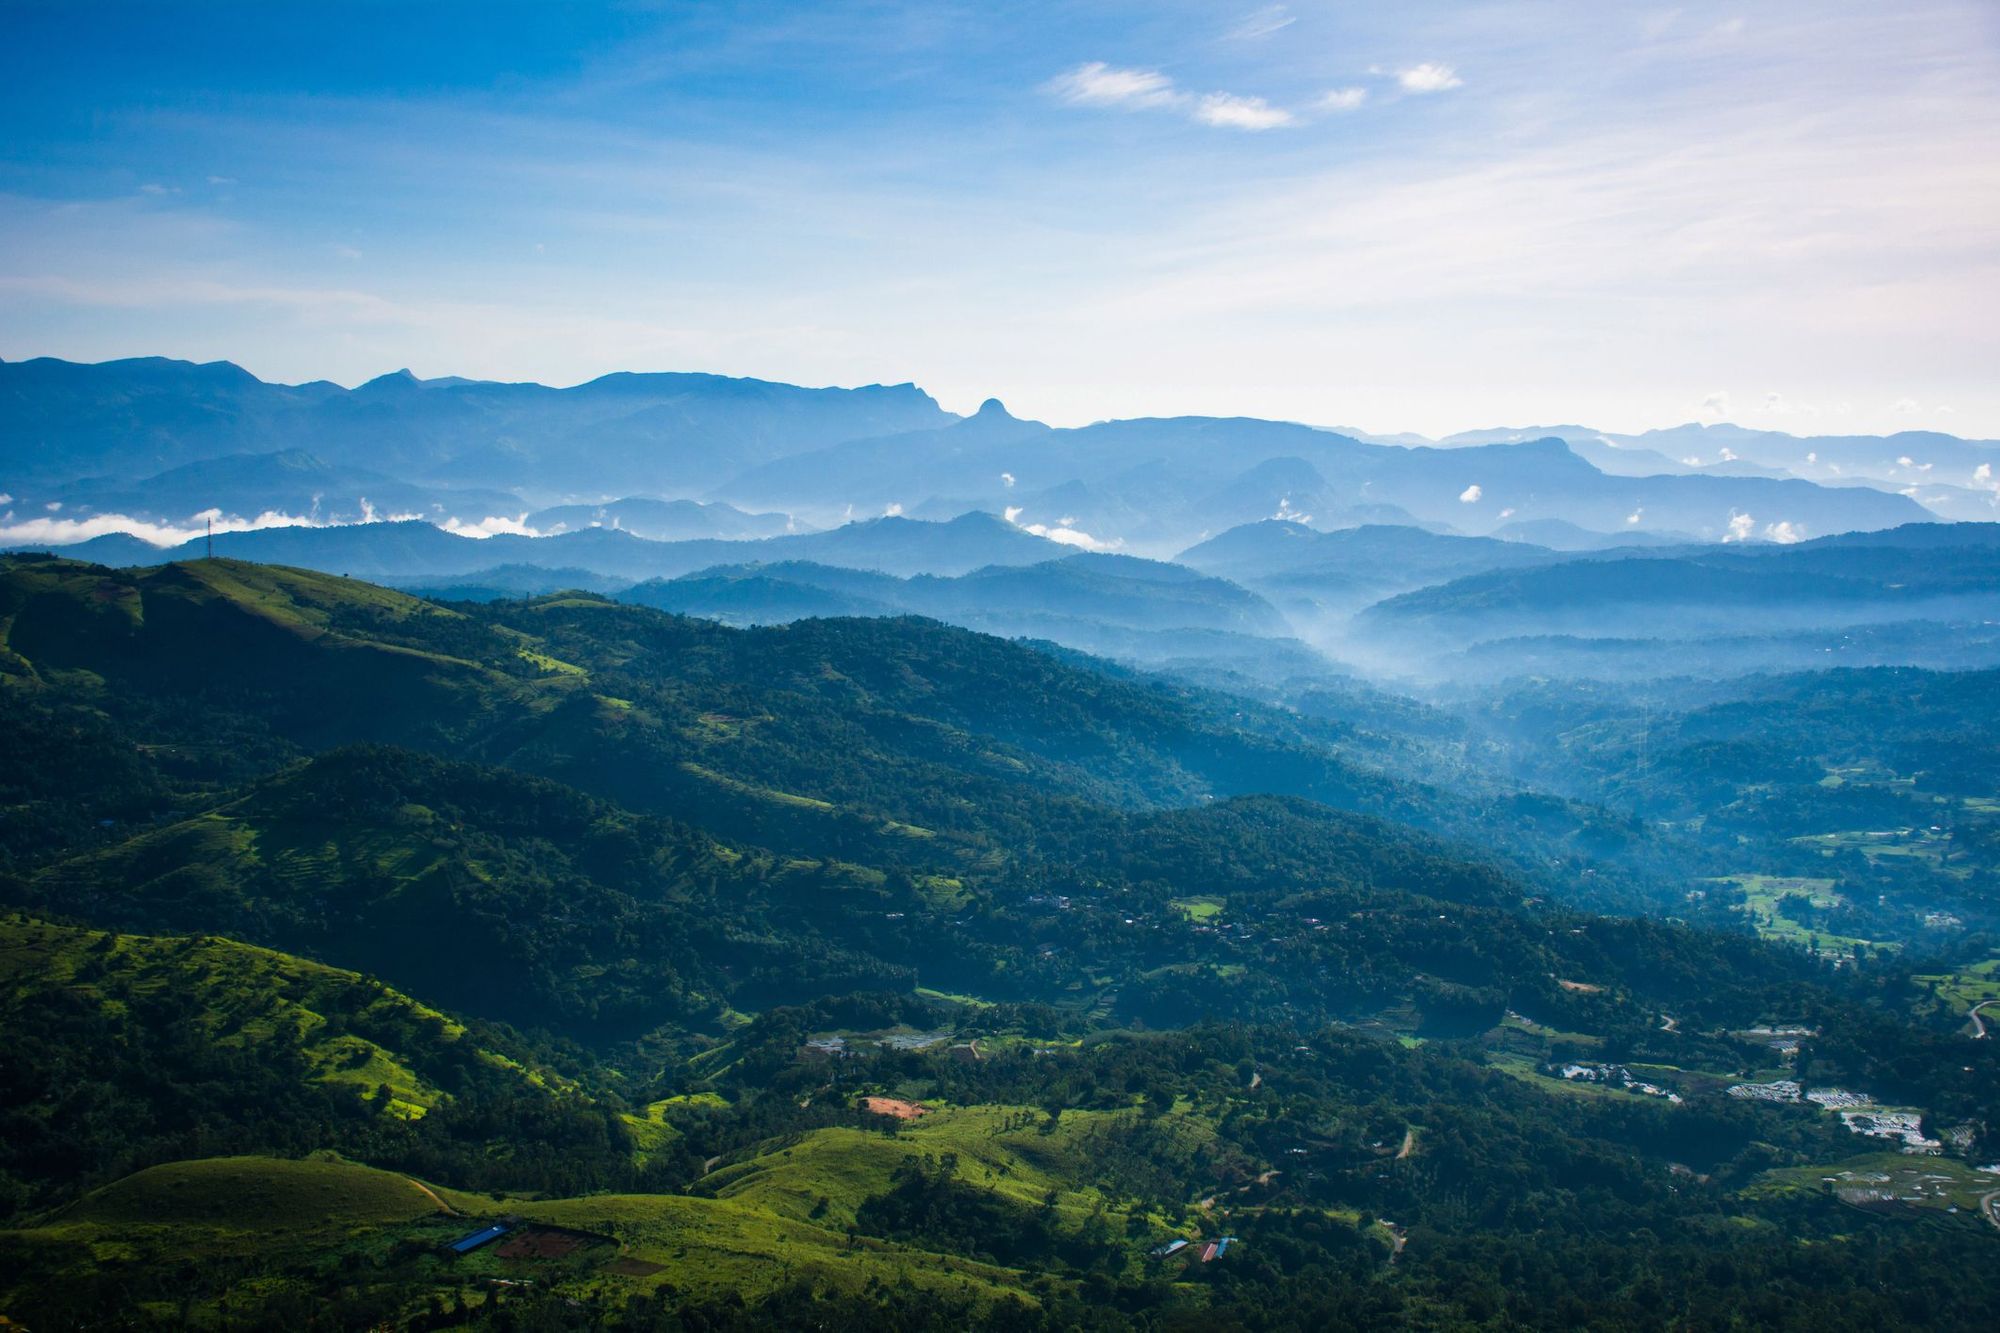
(493, 525)
(69, 531)
(52, 531)
(1063, 531)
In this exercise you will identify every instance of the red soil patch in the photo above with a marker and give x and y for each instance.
(535, 1243)
(894, 1106)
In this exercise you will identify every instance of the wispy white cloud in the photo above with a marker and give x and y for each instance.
(1785, 532)
(1096, 83)
(1242, 113)
(1472, 494)
(1429, 77)
(1342, 99)
(1262, 23)
(1741, 527)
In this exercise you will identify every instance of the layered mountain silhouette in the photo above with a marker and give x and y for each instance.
(163, 441)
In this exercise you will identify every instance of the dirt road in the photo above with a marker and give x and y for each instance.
(432, 1195)
(1978, 1023)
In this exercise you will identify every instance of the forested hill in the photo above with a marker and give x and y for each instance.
(883, 966)
(837, 736)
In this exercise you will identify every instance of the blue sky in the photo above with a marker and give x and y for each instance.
(1417, 215)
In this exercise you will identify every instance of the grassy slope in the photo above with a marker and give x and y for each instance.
(712, 1247)
(1018, 1160)
(245, 996)
(300, 1215)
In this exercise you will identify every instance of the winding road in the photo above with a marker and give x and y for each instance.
(1978, 1023)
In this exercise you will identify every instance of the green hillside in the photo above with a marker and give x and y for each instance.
(880, 974)
(224, 671)
(344, 1237)
(126, 1050)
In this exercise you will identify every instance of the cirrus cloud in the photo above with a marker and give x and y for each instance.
(1096, 83)
(1262, 23)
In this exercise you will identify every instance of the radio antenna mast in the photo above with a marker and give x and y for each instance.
(211, 539)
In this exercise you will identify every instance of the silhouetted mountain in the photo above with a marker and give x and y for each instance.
(1113, 605)
(515, 581)
(1313, 576)
(414, 550)
(1561, 535)
(1907, 457)
(290, 482)
(629, 432)
(1909, 589)
(1188, 462)
(1150, 486)
(662, 520)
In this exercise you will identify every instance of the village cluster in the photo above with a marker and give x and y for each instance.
(1616, 1076)
(1857, 1111)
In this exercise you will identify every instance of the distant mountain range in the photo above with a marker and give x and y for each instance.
(411, 549)
(1922, 594)
(162, 442)
(622, 433)
(1942, 471)
(1118, 606)
(1258, 550)
(1156, 485)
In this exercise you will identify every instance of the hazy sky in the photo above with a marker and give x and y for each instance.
(1411, 215)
